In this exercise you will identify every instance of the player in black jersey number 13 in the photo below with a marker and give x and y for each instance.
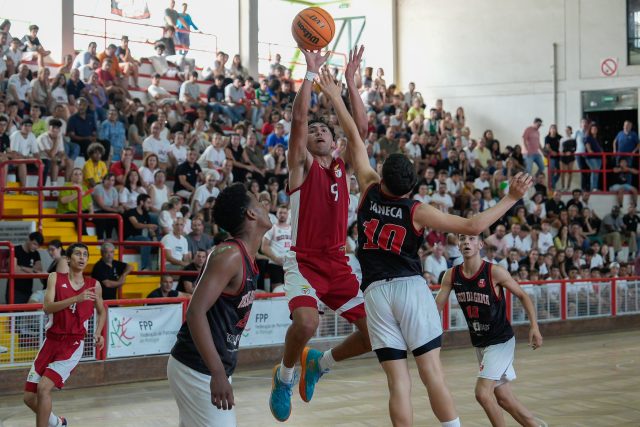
(206, 351)
(479, 285)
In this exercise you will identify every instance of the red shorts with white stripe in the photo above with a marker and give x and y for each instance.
(323, 276)
(55, 360)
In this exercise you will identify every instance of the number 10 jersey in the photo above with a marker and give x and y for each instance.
(388, 242)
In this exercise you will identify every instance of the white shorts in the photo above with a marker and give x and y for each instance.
(401, 314)
(192, 392)
(496, 361)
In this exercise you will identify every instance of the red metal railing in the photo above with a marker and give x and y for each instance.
(106, 36)
(602, 172)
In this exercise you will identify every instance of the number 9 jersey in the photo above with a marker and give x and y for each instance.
(388, 242)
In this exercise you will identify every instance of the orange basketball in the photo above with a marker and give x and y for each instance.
(313, 28)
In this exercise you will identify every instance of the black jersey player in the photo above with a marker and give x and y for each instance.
(479, 287)
(205, 354)
(401, 312)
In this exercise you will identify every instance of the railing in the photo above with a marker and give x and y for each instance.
(602, 172)
(267, 51)
(111, 30)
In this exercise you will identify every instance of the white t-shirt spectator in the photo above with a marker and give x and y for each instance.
(412, 150)
(155, 91)
(202, 193)
(510, 241)
(597, 261)
(280, 238)
(166, 220)
(177, 245)
(445, 202)
(22, 87)
(422, 199)
(235, 94)
(160, 147)
(286, 125)
(213, 155)
(480, 184)
(45, 143)
(523, 245)
(191, 89)
(545, 241)
(25, 146)
(59, 94)
(434, 266)
(352, 213)
(180, 153)
(453, 187)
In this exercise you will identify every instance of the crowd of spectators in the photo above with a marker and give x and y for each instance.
(161, 159)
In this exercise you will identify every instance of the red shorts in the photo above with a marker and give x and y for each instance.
(326, 277)
(55, 360)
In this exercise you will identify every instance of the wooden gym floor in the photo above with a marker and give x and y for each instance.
(588, 380)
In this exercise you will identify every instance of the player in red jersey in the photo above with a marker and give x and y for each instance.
(69, 302)
(316, 268)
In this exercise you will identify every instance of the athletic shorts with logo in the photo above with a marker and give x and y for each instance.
(401, 314)
(311, 277)
(496, 361)
(55, 360)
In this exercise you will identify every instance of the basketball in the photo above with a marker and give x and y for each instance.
(313, 28)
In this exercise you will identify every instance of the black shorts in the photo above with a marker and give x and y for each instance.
(276, 274)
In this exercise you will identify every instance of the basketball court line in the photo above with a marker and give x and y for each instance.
(242, 377)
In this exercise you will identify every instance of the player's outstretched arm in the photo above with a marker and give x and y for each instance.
(102, 317)
(223, 264)
(445, 290)
(356, 150)
(502, 278)
(428, 216)
(50, 305)
(298, 155)
(357, 106)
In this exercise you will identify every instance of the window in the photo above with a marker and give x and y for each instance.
(633, 32)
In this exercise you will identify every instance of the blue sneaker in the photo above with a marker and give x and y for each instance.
(310, 372)
(280, 399)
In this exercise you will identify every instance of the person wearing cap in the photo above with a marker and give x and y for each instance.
(23, 145)
(531, 147)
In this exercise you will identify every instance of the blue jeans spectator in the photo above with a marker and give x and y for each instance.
(72, 150)
(530, 159)
(554, 165)
(145, 251)
(594, 164)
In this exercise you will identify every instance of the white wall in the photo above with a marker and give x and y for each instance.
(495, 57)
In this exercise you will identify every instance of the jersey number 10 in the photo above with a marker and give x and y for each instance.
(390, 238)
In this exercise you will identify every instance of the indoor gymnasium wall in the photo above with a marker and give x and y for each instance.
(496, 57)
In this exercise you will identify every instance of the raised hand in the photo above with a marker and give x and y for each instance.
(329, 87)
(315, 59)
(519, 185)
(355, 57)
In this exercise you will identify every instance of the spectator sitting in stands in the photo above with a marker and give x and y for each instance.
(139, 228)
(188, 175)
(158, 145)
(33, 47)
(110, 272)
(27, 261)
(52, 152)
(23, 145)
(255, 157)
(97, 96)
(58, 264)
(75, 88)
(213, 158)
(435, 264)
(113, 131)
(120, 169)
(19, 87)
(511, 261)
(85, 56)
(181, 61)
(624, 178)
(159, 193)
(189, 93)
(178, 151)
(166, 288)
(498, 240)
(131, 190)
(187, 284)
(81, 128)
(197, 239)
(106, 200)
(615, 232)
(68, 199)
(161, 65)
(86, 70)
(169, 213)
(127, 63)
(94, 169)
(205, 191)
(158, 93)
(176, 247)
(234, 98)
(12, 54)
(277, 137)
(59, 92)
(110, 81)
(41, 90)
(276, 163)
(149, 169)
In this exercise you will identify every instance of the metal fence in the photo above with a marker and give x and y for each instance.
(22, 335)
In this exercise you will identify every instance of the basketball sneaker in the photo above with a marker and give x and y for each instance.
(280, 399)
(310, 372)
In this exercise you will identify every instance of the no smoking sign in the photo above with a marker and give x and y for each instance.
(609, 67)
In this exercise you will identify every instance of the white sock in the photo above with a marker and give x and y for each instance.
(452, 423)
(286, 374)
(327, 360)
(53, 420)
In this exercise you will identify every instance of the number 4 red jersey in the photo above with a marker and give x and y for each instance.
(319, 209)
(71, 322)
(388, 243)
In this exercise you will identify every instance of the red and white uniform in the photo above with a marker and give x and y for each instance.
(65, 332)
(316, 268)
